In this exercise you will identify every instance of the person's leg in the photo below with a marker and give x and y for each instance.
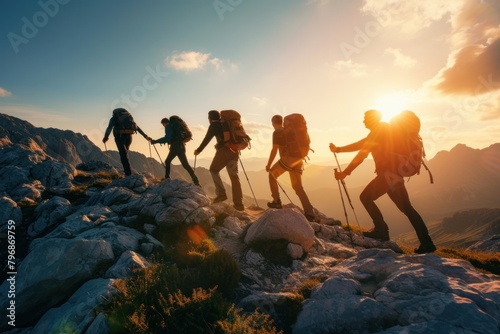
(216, 166)
(296, 180)
(232, 170)
(122, 144)
(172, 153)
(399, 195)
(376, 188)
(276, 171)
(184, 162)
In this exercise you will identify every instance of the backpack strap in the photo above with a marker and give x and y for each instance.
(431, 178)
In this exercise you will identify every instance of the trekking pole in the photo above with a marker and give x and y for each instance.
(151, 160)
(107, 156)
(345, 211)
(194, 167)
(159, 155)
(347, 193)
(244, 171)
(283, 190)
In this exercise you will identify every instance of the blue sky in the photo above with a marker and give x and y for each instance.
(68, 63)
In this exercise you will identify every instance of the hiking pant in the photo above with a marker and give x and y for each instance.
(399, 195)
(178, 149)
(295, 178)
(224, 157)
(123, 142)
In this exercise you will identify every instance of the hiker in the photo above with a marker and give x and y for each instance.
(123, 126)
(293, 166)
(379, 144)
(177, 147)
(224, 157)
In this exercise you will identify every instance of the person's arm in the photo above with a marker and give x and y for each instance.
(348, 148)
(143, 134)
(208, 137)
(108, 130)
(165, 139)
(272, 155)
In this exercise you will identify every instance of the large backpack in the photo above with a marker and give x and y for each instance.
(124, 122)
(297, 141)
(180, 130)
(407, 153)
(235, 136)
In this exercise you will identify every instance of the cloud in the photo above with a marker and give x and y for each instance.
(410, 16)
(400, 59)
(187, 61)
(473, 67)
(4, 92)
(353, 69)
(261, 101)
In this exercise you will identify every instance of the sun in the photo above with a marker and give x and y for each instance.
(392, 104)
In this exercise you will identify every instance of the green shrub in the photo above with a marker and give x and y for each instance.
(220, 269)
(307, 287)
(237, 322)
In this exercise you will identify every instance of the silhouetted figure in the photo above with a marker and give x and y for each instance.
(177, 148)
(379, 144)
(282, 166)
(123, 126)
(224, 157)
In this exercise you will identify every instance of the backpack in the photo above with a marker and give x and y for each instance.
(297, 141)
(407, 153)
(235, 136)
(124, 122)
(180, 130)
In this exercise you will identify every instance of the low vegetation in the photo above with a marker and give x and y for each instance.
(189, 291)
(485, 262)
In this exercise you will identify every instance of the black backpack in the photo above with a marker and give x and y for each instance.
(124, 122)
(297, 141)
(235, 136)
(407, 154)
(180, 130)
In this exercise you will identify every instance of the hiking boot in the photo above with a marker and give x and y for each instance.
(220, 198)
(275, 204)
(239, 207)
(425, 248)
(382, 235)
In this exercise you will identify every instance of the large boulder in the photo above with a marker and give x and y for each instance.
(76, 315)
(52, 272)
(288, 224)
(54, 175)
(9, 211)
(381, 291)
(48, 214)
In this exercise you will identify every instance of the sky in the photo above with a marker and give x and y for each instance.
(67, 64)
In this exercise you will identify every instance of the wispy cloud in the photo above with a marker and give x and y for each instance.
(187, 61)
(400, 59)
(410, 16)
(261, 101)
(37, 116)
(351, 68)
(4, 92)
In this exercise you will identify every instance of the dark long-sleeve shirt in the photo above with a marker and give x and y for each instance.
(168, 135)
(214, 130)
(112, 126)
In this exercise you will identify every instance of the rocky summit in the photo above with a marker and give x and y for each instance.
(79, 229)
